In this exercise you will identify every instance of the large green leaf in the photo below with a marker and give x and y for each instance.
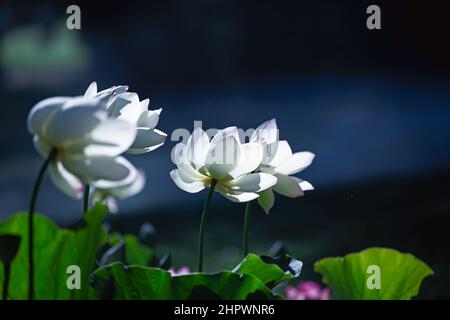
(55, 250)
(141, 283)
(135, 253)
(271, 271)
(352, 277)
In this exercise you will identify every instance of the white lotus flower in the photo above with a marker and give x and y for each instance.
(85, 141)
(106, 96)
(225, 160)
(108, 192)
(126, 106)
(279, 161)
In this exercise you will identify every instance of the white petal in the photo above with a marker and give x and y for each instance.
(186, 169)
(295, 163)
(111, 93)
(254, 182)
(42, 147)
(43, 112)
(132, 97)
(77, 118)
(110, 137)
(91, 90)
(250, 157)
(116, 104)
(191, 187)
(222, 158)
(179, 154)
(125, 188)
(132, 189)
(65, 181)
(226, 133)
(266, 200)
(115, 135)
(282, 152)
(131, 176)
(114, 90)
(270, 150)
(305, 185)
(121, 101)
(266, 133)
(111, 203)
(91, 169)
(149, 119)
(147, 140)
(108, 96)
(130, 112)
(288, 186)
(240, 196)
(197, 147)
(188, 173)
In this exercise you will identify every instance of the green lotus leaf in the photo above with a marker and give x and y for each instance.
(271, 271)
(374, 274)
(55, 250)
(144, 283)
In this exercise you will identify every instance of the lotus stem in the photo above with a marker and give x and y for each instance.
(37, 186)
(247, 219)
(201, 237)
(87, 189)
(6, 273)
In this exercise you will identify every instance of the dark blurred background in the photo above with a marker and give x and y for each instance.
(374, 106)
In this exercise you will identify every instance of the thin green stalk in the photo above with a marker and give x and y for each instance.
(6, 273)
(247, 219)
(201, 237)
(87, 188)
(34, 194)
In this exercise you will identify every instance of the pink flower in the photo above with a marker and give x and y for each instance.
(180, 272)
(308, 290)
